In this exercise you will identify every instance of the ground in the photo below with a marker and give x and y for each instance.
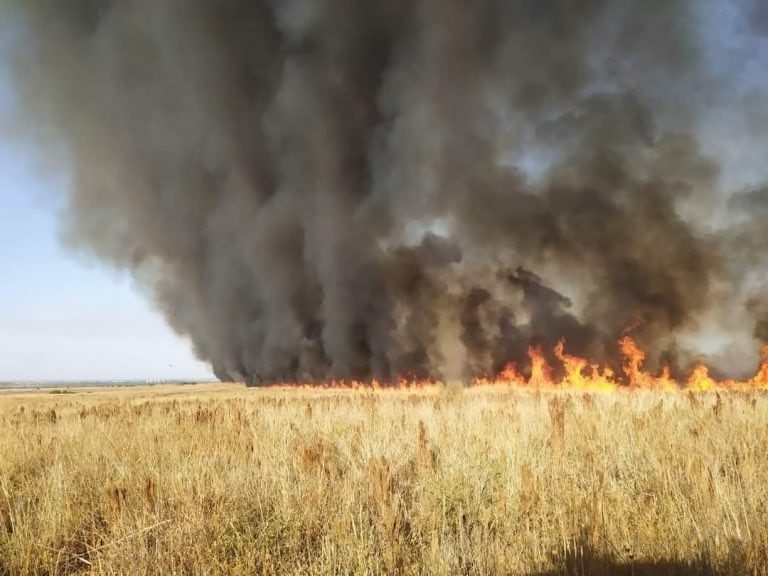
(221, 479)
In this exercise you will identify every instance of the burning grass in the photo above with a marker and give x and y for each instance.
(577, 374)
(488, 480)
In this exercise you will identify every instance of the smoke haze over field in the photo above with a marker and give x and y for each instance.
(316, 189)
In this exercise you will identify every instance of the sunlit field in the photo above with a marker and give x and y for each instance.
(220, 479)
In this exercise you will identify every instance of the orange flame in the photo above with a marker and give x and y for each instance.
(634, 358)
(541, 372)
(760, 379)
(699, 380)
(580, 374)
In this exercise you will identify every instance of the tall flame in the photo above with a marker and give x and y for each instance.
(760, 379)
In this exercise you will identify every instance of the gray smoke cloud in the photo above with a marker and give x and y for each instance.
(316, 189)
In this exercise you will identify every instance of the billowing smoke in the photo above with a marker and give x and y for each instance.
(316, 189)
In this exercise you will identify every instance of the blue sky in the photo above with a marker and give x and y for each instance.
(64, 316)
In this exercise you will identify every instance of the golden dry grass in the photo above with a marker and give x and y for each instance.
(220, 479)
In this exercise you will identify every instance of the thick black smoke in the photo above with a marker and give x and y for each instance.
(319, 189)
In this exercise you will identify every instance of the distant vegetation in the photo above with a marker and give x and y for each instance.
(219, 479)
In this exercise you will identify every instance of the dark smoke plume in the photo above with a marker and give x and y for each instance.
(316, 189)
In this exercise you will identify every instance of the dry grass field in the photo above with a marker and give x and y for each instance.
(219, 479)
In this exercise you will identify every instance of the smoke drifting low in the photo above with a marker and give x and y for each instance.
(316, 189)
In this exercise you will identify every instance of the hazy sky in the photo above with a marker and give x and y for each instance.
(62, 315)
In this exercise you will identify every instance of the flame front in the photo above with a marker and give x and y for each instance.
(581, 374)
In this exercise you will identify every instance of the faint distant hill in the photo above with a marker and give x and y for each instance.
(13, 384)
